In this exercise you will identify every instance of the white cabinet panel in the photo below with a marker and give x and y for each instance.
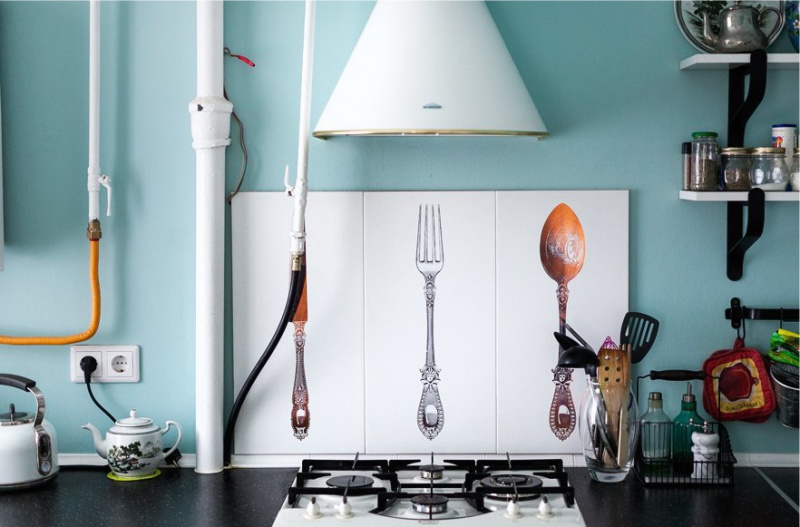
(334, 353)
(527, 308)
(464, 311)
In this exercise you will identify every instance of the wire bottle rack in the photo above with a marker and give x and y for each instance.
(661, 458)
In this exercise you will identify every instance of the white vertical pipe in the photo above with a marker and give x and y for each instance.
(93, 176)
(210, 114)
(300, 192)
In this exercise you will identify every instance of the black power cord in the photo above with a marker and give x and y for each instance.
(293, 298)
(88, 365)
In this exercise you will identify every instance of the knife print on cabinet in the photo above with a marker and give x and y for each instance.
(301, 418)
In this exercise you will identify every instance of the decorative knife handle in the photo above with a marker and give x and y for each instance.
(300, 414)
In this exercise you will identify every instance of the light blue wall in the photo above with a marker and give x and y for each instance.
(605, 79)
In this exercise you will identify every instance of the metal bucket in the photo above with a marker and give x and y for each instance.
(788, 398)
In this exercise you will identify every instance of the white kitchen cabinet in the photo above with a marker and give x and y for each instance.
(495, 314)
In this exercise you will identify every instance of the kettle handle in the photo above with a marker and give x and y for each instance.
(778, 23)
(26, 385)
(177, 441)
(16, 381)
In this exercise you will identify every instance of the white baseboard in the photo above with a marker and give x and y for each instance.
(754, 459)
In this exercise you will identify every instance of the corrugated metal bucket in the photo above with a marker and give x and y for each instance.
(788, 395)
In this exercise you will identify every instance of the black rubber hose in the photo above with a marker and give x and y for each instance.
(293, 298)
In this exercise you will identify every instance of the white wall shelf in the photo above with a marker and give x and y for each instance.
(690, 195)
(725, 61)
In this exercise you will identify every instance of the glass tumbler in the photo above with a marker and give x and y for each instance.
(609, 443)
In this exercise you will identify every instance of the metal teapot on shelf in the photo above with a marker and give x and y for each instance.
(740, 29)
(133, 446)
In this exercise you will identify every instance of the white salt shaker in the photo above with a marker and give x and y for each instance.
(705, 448)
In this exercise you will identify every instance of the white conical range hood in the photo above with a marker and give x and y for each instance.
(430, 68)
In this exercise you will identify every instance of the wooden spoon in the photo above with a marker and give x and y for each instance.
(562, 252)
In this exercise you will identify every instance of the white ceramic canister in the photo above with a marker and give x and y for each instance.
(785, 136)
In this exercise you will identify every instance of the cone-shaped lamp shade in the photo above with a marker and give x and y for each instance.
(430, 68)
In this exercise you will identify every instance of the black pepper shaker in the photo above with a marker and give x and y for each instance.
(686, 156)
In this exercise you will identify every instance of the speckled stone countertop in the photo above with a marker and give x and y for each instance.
(85, 497)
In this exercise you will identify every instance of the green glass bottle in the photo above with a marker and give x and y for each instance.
(683, 425)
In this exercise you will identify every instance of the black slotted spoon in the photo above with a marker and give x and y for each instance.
(639, 332)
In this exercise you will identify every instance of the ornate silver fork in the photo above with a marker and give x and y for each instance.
(430, 260)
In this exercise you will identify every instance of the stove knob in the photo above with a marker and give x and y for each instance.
(512, 511)
(545, 510)
(312, 511)
(344, 510)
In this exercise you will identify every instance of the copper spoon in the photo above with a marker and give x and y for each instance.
(562, 250)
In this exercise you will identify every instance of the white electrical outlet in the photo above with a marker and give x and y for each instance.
(114, 363)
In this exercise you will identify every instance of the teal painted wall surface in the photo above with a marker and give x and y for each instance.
(604, 75)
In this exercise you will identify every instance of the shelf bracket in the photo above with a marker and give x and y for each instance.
(740, 109)
(738, 243)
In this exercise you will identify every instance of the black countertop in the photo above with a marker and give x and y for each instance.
(84, 496)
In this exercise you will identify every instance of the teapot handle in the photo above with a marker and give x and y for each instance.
(177, 441)
(778, 23)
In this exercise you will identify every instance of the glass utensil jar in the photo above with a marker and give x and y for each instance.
(608, 454)
(735, 168)
(705, 161)
(794, 172)
(768, 169)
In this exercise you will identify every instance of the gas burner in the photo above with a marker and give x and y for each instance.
(350, 482)
(431, 472)
(520, 485)
(429, 503)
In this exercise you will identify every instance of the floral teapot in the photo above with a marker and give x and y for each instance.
(133, 446)
(740, 29)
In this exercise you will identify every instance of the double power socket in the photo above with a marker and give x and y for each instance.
(114, 363)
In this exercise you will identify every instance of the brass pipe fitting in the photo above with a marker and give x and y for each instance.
(93, 231)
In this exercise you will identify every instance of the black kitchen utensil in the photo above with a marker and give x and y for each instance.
(576, 356)
(639, 331)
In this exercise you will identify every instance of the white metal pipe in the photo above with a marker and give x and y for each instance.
(300, 192)
(93, 175)
(210, 113)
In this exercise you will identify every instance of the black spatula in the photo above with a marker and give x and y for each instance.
(639, 331)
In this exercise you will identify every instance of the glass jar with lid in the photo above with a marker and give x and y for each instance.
(794, 172)
(735, 168)
(705, 161)
(768, 170)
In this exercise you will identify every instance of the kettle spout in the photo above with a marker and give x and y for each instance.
(99, 442)
(708, 36)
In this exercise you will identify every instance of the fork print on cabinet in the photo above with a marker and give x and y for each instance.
(430, 260)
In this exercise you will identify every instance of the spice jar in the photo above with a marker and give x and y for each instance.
(705, 161)
(768, 169)
(735, 168)
(794, 172)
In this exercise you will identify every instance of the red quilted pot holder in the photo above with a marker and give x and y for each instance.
(737, 380)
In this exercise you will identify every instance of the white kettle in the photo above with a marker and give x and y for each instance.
(28, 453)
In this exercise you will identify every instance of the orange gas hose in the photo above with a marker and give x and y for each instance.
(94, 252)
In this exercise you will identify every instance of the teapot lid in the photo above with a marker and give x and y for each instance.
(133, 424)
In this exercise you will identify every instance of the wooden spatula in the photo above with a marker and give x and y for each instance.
(613, 377)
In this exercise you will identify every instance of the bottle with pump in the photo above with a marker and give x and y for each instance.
(656, 433)
(685, 423)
